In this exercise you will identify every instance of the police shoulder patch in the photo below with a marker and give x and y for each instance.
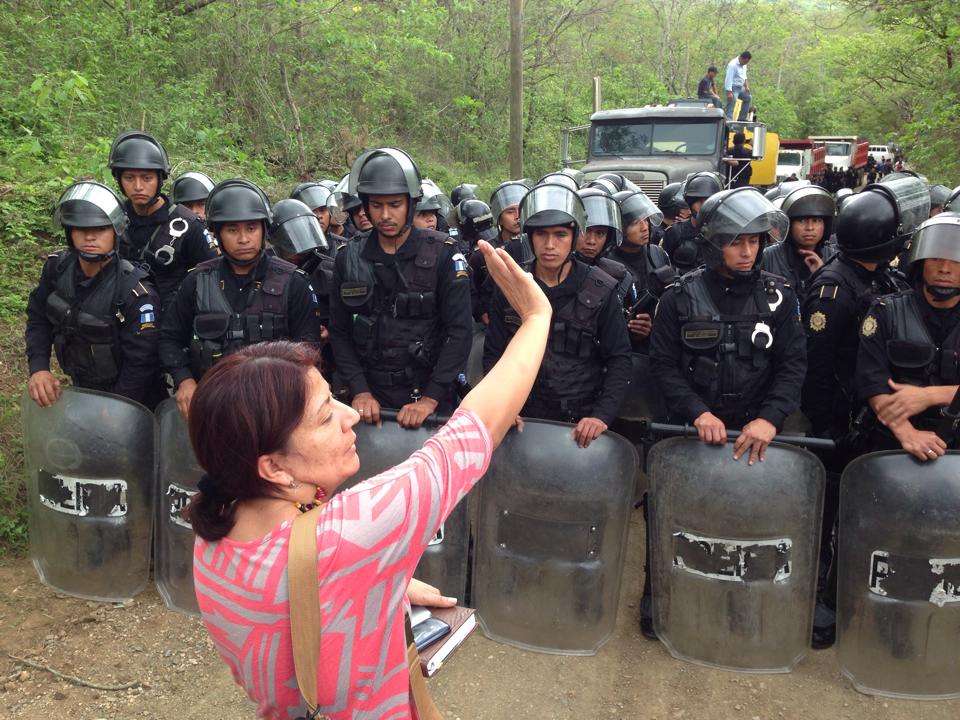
(460, 265)
(148, 318)
(869, 326)
(818, 321)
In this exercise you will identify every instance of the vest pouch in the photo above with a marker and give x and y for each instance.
(910, 355)
(363, 333)
(58, 309)
(701, 337)
(686, 254)
(665, 275)
(704, 372)
(94, 330)
(355, 295)
(211, 326)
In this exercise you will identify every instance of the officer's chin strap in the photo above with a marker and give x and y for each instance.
(941, 293)
(245, 263)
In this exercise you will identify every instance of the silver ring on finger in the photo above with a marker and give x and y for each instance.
(931, 452)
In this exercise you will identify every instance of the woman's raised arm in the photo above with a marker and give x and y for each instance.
(497, 399)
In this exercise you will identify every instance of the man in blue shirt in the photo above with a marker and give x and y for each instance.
(736, 86)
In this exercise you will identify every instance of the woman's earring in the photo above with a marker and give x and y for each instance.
(293, 485)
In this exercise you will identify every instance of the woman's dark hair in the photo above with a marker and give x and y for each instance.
(246, 406)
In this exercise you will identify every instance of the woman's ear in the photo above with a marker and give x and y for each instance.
(271, 469)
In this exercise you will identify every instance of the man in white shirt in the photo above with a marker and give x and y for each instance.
(736, 86)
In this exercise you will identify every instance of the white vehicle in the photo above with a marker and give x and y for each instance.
(879, 152)
(793, 162)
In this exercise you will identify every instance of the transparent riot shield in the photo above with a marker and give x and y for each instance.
(898, 588)
(444, 563)
(90, 465)
(551, 537)
(643, 399)
(475, 360)
(177, 477)
(734, 551)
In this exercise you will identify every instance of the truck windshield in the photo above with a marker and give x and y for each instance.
(838, 148)
(647, 137)
(790, 158)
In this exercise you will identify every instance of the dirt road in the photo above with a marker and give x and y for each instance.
(180, 676)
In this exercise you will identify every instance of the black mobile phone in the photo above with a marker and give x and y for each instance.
(428, 632)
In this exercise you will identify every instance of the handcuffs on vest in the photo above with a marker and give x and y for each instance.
(164, 254)
(762, 336)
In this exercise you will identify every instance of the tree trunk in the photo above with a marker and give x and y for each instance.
(297, 128)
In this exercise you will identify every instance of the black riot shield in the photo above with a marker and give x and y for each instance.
(643, 399)
(90, 466)
(551, 538)
(177, 477)
(444, 563)
(734, 550)
(898, 593)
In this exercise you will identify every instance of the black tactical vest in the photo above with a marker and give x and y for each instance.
(914, 356)
(727, 358)
(571, 375)
(164, 245)
(825, 285)
(86, 333)
(781, 259)
(219, 328)
(396, 333)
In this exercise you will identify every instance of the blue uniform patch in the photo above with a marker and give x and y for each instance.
(146, 314)
(460, 266)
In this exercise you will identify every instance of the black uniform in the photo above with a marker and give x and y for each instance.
(837, 300)
(172, 226)
(400, 325)
(707, 356)
(782, 259)
(104, 329)
(680, 242)
(906, 339)
(217, 311)
(652, 273)
(586, 367)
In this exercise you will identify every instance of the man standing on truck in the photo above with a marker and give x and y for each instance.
(736, 85)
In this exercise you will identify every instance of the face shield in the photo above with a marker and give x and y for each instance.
(743, 211)
(549, 205)
(910, 197)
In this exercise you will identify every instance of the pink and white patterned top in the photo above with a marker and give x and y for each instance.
(369, 540)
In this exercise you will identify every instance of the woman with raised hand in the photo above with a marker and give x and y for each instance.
(271, 437)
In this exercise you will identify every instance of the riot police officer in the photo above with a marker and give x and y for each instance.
(244, 297)
(808, 243)
(297, 236)
(907, 363)
(318, 197)
(505, 208)
(727, 346)
(357, 220)
(98, 311)
(191, 191)
(476, 224)
(586, 367)
(647, 262)
(170, 238)
(939, 196)
(680, 240)
(672, 205)
(871, 228)
(400, 311)
(427, 215)
(602, 234)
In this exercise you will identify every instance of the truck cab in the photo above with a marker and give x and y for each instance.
(656, 145)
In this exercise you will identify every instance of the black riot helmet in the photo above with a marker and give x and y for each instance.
(476, 221)
(953, 200)
(810, 201)
(939, 195)
(191, 187)
(90, 204)
(506, 195)
(842, 194)
(136, 150)
(386, 171)
(937, 238)
(312, 194)
(559, 178)
(463, 191)
(576, 175)
(238, 200)
(700, 186)
(604, 212)
(726, 215)
(637, 206)
(549, 205)
(873, 225)
(670, 201)
(605, 186)
(295, 230)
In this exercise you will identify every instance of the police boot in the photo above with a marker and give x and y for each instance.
(824, 627)
(646, 617)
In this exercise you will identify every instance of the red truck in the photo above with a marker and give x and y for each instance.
(845, 151)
